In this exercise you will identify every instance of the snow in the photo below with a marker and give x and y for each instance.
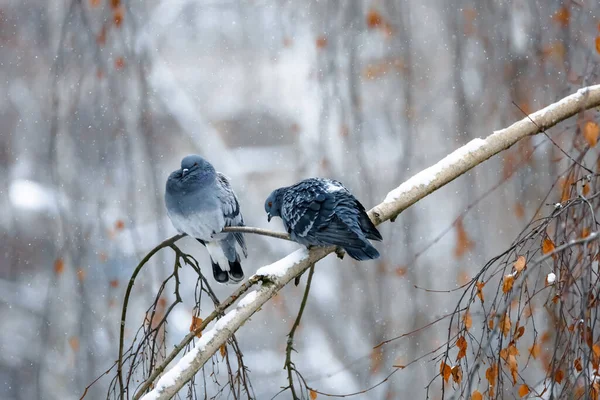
(279, 268)
(31, 196)
(551, 278)
(334, 187)
(426, 176)
(248, 299)
(169, 378)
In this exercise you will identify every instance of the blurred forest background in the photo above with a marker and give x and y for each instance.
(102, 98)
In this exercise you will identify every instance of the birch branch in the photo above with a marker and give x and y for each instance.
(277, 275)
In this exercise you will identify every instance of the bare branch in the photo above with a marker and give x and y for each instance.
(257, 231)
(278, 274)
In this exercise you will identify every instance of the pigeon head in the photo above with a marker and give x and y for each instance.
(195, 169)
(273, 204)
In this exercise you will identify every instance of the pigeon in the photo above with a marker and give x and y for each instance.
(322, 212)
(200, 203)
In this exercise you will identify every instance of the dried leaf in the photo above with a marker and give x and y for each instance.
(577, 364)
(476, 395)
(321, 42)
(513, 367)
(596, 350)
(491, 374)
(547, 246)
(374, 19)
(463, 243)
(74, 343)
(461, 343)
(101, 38)
(457, 374)
(591, 131)
(80, 274)
(535, 350)
(519, 211)
(401, 271)
(114, 283)
(119, 63)
(480, 286)
(562, 16)
(94, 3)
(598, 44)
(376, 360)
(491, 323)
(445, 371)
(505, 325)
(196, 322)
(523, 390)
(223, 350)
(59, 266)
(558, 376)
(468, 321)
(312, 394)
(507, 283)
(118, 14)
(519, 332)
(519, 265)
(119, 225)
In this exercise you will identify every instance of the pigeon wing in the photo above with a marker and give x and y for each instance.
(231, 208)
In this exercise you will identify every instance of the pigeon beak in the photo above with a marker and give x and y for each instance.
(184, 171)
(269, 217)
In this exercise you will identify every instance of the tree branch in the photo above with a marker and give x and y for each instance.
(278, 274)
(257, 231)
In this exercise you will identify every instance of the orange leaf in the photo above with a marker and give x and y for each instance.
(519, 211)
(598, 44)
(513, 367)
(118, 14)
(115, 3)
(505, 325)
(374, 19)
(585, 232)
(461, 343)
(321, 42)
(119, 225)
(223, 350)
(596, 350)
(591, 131)
(94, 3)
(476, 395)
(376, 359)
(507, 283)
(523, 390)
(463, 243)
(196, 322)
(101, 38)
(119, 63)
(558, 376)
(491, 374)
(445, 371)
(491, 324)
(480, 286)
(519, 265)
(547, 246)
(457, 374)
(401, 271)
(80, 274)
(74, 343)
(562, 16)
(535, 350)
(519, 332)
(577, 364)
(312, 394)
(114, 283)
(59, 266)
(468, 320)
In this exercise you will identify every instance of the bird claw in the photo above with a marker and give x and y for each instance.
(340, 253)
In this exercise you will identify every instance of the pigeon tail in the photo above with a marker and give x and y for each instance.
(367, 252)
(236, 274)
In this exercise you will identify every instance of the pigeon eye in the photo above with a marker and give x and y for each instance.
(270, 204)
(195, 164)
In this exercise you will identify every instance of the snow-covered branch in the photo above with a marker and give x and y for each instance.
(278, 274)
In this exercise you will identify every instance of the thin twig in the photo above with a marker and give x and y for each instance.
(289, 365)
(257, 231)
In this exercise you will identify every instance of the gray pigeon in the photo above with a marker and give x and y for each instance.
(322, 212)
(200, 203)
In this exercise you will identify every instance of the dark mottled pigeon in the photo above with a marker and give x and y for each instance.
(322, 212)
(200, 203)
